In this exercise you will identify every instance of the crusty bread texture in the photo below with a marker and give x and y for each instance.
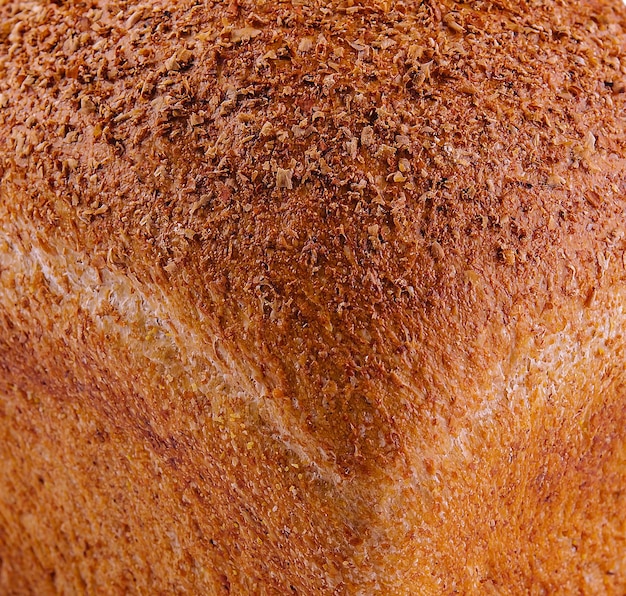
(305, 297)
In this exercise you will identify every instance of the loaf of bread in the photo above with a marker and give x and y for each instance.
(308, 297)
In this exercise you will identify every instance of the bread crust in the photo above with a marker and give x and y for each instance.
(343, 284)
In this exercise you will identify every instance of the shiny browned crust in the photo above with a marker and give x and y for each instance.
(312, 297)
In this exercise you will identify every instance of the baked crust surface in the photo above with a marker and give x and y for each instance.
(312, 297)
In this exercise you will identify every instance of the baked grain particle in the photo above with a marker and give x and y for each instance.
(284, 178)
(134, 18)
(244, 34)
(267, 130)
(87, 106)
(367, 136)
(305, 45)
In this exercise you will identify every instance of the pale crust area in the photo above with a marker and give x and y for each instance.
(312, 298)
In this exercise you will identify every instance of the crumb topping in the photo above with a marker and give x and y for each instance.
(348, 177)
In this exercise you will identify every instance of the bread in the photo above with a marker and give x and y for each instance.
(312, 297)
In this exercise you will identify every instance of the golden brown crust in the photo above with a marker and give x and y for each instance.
(352, 271)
